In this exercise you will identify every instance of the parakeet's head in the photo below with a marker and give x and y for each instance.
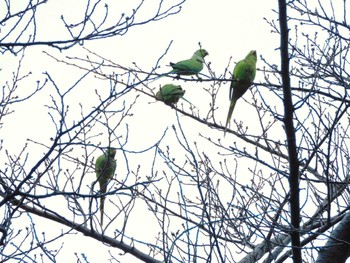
(252, 54)
(111, 152)
(159, 94)
(201, 52)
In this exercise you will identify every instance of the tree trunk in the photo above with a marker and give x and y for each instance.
(337, 248)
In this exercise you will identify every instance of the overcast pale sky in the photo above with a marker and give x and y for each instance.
(225, 28)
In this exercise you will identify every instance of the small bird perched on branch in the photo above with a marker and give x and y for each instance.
(191, 66)
(105, 168)
(243, 76)
(170, 94)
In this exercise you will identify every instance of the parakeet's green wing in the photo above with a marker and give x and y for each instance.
(187, 67)
(190, 66)
(245, 70)
(105, 168)
(244, 73)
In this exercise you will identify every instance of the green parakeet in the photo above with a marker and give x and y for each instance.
(190, 66)
(243, 76)
(170, 94)
(105, 168)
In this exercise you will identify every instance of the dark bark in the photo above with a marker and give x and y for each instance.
(290, 132)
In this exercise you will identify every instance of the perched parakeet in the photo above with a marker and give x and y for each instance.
(105, 168)
(243, 76)
(190, 66)
(170, 94)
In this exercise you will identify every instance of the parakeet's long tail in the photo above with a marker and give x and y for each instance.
(102, 202)
(103, 190)
(229, 115)
(162, 75)
(188, 102)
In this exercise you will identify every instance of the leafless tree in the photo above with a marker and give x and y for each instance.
(276, 187)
